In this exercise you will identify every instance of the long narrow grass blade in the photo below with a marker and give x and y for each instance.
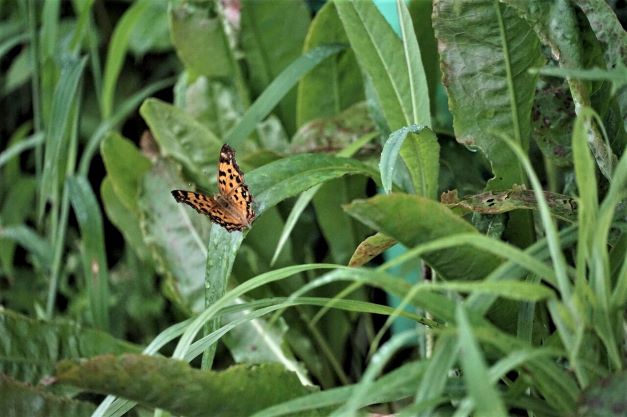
(95, 268)
(277, 90)
(56, 134)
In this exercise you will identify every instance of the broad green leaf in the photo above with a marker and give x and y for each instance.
(371, 247)
(612, 36)
(176, 234)
(19, 399)
(337, 132)
(200, 41)
(421, 153)
(604, 398)
(304, 199)
(485, 396)
(57, 137)
(336, 83)
(180, 136)
(413, 220)
(391, 63)
(335, 225)
(485, 73)
(213, 103)
(126, 221)
(418, 146)
(94, 257)
(272, 36)
(286, 177)
(556, 25)
(552, 122)
(174, 386)
(126, 167)
(35, 346)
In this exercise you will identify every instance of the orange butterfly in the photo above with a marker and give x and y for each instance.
(232, 208)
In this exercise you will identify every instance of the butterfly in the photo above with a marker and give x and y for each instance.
(232, 208)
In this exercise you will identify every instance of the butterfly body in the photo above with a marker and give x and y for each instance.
(232, 208)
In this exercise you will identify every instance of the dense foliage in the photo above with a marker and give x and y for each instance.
(440, 194)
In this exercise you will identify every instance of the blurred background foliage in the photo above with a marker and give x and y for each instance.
(403, 158)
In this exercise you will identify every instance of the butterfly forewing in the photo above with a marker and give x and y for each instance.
(232, 208)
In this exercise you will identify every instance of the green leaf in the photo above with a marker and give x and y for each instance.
(413, 220)
(349, 131)
(176, 234)
(125, 167)
(421, 156)
(117, 52)
(286, 177)
(336, 83)
(485, 73)
(124, 109)
(304, 199)
(200, 41)
(514, 290)
(604, 398)
(396, 385)
(57, 137)
(19, 399)
(336, 227)
(482, 392)
(611, 35)
(152, 33)
(180, 136)
(94, 257)
(433, 383)
(397, 74)
(213, 103)
(413, 61)
(126, 221)
(617, 76)
(556, 25)
(277, 89)
(19, 147)
(173, 385)
(30, 240)
(270, 42)
(16, 207)
(37, 345)
(371, 247)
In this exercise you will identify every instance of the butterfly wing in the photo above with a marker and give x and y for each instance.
(233, 207)
(230, 176)
(232, 186)
(210, 207)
